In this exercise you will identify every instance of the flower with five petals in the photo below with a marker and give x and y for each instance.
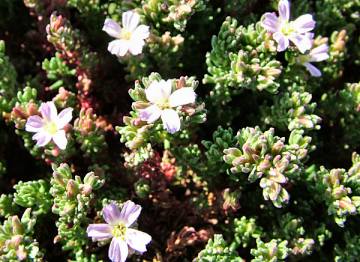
(130, 37)
(284, 31)
(163, 100)
(124, 240)
(50, 126)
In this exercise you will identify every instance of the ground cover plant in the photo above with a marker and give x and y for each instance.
(179, 130)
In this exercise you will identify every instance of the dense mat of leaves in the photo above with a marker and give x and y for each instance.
(179, 130)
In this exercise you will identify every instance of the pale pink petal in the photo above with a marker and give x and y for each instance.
(284, 10)
(99, 232)
(130, 212)
(137, 240)
(34, 124)
(130, 20)
(118, 47)
(182, 96)
(158, 91)
(64, 117)
(319, 53)
(118, 250)
(282, 41)
(111, 214)
(302, 42)
(48, 110)
(270, 22)
(60, 139)
(313, 70)
(171, 120)
(309, 35)
(136, 46)
(112, 28)
(150, 114)
(42, 138)
(141, 32)
(304, 23)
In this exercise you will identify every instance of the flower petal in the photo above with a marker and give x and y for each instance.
(99, 232)
(118, 47)
(158, 91)
(130, 20)
(141, 32)
(270, 22)
(284, 10)
(111, 214)
(182, 96)
(150, 114)
(112, 28)
(137, 240)
(34, 124)
(64, 117)
(130, 212)
(48, 110)
(171, 120)
(60, 139)
(319, 53)
(313, 70)
(302, 42)
(42, 138)
(118, 250)
(304, 23)
(136, 46)
(282, 41)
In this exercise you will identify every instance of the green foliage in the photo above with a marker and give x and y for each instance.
(7, 205)
(7, 81)
(72, 201)
(241, 57)
(173, 13)
(265, 156)
(336, 191)
(245, 230)
(89, 134)
(16, 239)
(292, 110)
(350, 251)
(195, 186)
(346, 113)
(275, 250)
(222, 139)
(34, 194)
(217, 250)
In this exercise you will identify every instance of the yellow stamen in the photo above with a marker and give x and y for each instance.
(51, 128)
(119, 230)
(125, 34)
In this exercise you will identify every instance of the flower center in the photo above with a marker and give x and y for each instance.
(125, 34)
(119, 230)
(51, 128)
(303, 59)
(163, 103)
(287, 28)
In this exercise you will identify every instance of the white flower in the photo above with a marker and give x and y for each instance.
(162, 100)
(125, 240)
(284, 30)
(316, 54)
(50, 126)
(130, 38)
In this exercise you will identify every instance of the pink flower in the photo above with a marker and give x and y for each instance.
(162, 100)
(130, 38)
(316, 54)
(284, 30)
(125, 240)
(50, 125)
